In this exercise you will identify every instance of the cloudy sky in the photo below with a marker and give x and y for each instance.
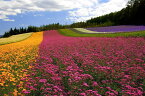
(22, 13)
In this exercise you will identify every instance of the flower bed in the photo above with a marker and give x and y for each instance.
(76, 66)
(115, 29)
(15, 59)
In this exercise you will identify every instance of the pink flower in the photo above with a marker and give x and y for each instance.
(56, 78)
(42, 80)
(127, 76)
(32, 88)
(85, 84)
(56, 87)
(83, 94)
(95, 84)
(26, 91)
(108, 93)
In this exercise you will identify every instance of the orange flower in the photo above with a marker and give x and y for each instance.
(16, 57)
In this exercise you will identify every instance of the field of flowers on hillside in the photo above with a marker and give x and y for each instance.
(88, 66)
(15, 59)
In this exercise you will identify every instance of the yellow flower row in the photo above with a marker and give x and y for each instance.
(15, 59)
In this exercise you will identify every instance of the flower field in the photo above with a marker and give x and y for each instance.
(115, 29)
(15, 60)
(76, 66)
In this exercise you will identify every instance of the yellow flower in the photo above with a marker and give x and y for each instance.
(15, 93)
(1, 84)
(16, 57)
(13, 79)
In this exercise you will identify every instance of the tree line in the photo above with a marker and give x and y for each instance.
(133, 14)
(56, 26)
(22, 30)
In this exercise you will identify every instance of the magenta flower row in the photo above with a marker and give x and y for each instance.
(88, 66)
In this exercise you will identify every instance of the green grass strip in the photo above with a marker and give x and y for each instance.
(69, 32)
(14, 38)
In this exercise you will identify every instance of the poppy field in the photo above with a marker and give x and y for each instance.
(51, 64)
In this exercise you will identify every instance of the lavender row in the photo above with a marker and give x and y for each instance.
(122, 28)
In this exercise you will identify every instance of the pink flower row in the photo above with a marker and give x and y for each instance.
(88, 66)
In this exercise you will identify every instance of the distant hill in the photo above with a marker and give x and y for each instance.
(1, 35)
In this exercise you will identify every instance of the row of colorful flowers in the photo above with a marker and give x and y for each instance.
(115, 29)
(75, 66)
(15, 59)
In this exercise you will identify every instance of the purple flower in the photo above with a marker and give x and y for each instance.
(122, 28)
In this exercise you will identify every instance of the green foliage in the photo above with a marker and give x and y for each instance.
(52, 27)
(68, 32)
(15, 32)
(78, 24)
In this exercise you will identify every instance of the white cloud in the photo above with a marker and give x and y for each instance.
(85, 13)
(38, 15)
(7, 19)
(82, 9)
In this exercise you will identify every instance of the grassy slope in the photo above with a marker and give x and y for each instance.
(14, 38)
(68, 32)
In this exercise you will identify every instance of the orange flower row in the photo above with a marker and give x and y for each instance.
(15, 59)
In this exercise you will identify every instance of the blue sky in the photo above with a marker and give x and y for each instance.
(34, 18)
(22, 13)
